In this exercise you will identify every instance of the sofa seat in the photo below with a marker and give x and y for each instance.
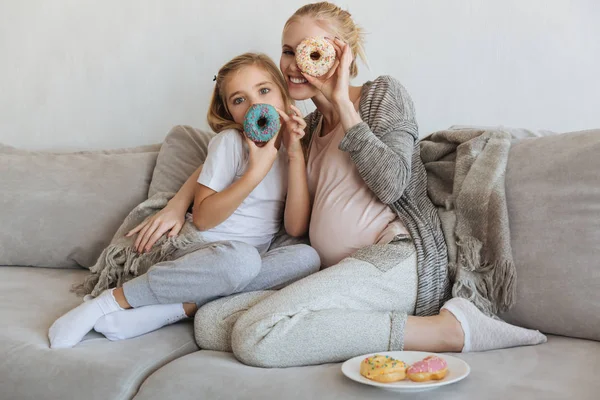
(31, 299)
(562, 368)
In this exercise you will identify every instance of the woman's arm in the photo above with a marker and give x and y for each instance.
(383, 158)
(384, 162)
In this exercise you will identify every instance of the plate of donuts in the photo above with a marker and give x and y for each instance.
(406, 371)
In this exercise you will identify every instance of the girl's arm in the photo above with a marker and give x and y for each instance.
(297, 205)
(169, 219)
(185, 196)
(212, 208)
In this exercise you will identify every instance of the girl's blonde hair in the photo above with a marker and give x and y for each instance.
(219, 117)
(340, 23)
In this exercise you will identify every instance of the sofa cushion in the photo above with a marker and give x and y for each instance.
(553, 199)
(31, 299)
(183, 151)
(518, 133)
(151, 148)
(562, 368)
(62, 209)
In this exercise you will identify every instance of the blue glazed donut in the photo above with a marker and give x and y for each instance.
(261, 123)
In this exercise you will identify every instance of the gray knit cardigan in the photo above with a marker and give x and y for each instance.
(385, 150)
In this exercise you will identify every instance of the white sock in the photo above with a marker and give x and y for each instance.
(484, 333)
(69, 329)
(138, 321)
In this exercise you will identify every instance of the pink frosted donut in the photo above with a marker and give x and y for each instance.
(315, 56)
(431, 367)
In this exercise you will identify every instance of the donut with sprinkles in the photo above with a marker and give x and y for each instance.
(261, 123)
(315, 56)
(383, 369)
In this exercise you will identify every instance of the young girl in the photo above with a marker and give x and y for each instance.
(239, 202)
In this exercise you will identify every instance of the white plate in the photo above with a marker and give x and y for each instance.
(457, 370)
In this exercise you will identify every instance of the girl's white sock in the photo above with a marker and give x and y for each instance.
(69, 329)
(484, 333)
(138, 321)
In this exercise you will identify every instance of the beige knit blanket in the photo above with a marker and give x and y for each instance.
(465, 173)
(119, 263)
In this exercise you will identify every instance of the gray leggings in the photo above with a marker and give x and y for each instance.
(212, 270)
(355, 307)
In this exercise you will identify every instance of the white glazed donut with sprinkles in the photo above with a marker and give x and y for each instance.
(315, 56)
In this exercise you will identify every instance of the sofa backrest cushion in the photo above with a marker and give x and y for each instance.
(182, 152)
(553, 199)
(60, 210)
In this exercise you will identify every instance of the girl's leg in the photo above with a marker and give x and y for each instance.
(209, 271)
(285, 265)
(212, 270)
(280, 267)
(356, 307)
(127, 324)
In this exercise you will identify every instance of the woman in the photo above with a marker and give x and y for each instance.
(371, 223)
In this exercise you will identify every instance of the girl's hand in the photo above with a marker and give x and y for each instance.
(294, 125)
(169, 219)
(335, 84)
(261, 157)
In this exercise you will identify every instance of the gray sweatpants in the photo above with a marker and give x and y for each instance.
(212, 270)
(355, 307)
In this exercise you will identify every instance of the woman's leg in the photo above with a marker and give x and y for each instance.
(214, 321)
(328, 317)
(206, 272)
(280, 267)
(356, 307)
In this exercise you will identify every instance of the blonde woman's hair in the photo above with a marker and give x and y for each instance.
(219, 117)
(340, 23)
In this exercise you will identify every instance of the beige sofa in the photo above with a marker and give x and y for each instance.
(59, 210)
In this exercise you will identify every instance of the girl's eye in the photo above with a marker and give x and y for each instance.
(264, 90)
(288, 52)
(238, 100)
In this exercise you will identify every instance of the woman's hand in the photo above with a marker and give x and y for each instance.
(169, 219)
(336, 83)
(261, 157)
(294, 125)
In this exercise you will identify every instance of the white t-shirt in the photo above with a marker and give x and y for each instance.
(259, 216)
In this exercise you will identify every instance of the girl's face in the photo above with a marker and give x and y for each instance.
(297, 31)
(250, 85)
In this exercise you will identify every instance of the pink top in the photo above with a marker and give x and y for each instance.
(346, 214)
(428, 364)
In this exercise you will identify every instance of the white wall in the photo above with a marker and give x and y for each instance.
(99, 74)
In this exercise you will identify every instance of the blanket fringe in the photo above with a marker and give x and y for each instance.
(490, 286)
(120, 263)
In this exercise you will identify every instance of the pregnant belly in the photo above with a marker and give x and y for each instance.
(338, 232)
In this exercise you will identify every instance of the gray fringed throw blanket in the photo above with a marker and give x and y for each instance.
(465, 174)
(119, 263)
